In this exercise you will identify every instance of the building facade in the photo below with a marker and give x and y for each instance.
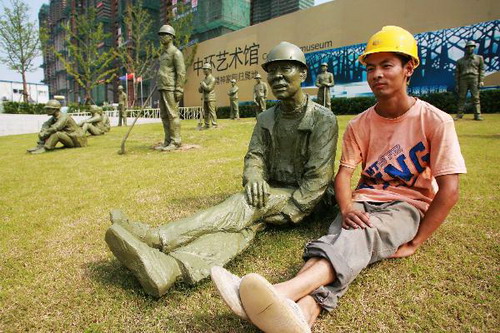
(13, 91)
(263, 10)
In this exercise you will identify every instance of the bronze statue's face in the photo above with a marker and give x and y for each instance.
(469, 50)
(206, 71)
(258, 79)
(323, 69)
(285, 78)
(166, 38)
(233, 83)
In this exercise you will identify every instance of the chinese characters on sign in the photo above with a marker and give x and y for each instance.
(224, 60)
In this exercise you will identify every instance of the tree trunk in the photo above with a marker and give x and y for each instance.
(25, 87)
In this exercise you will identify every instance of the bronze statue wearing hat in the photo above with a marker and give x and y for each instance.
(324, 81)
(469, 76)
(170, 85)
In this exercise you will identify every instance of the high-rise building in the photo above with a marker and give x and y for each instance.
(110, 13)
(263, 10)
(213, 18)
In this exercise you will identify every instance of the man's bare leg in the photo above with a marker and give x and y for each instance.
(315, 273)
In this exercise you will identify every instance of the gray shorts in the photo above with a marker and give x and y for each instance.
(349, 251)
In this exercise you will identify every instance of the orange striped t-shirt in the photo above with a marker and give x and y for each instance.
(401, 157)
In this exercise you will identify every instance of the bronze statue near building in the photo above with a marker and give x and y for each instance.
(93, 125)
(287, 175)
(122, 106)
(170, 83)
(59, 128)
(324, 81)
(207, 89)
(233, 101)
(260, 92)
(469, 76)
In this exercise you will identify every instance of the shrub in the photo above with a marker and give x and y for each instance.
(23, 108)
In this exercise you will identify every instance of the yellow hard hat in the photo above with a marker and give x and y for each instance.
(392, 39)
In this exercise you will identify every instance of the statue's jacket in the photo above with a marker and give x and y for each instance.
(207, 88)
(172, 71)
(472, 66)
(64, 123)
(314, 153)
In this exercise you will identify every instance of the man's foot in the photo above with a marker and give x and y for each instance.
(170, 147)
(155, 270)
(144, 232)
(478, 117)
(228, 286)
(267, 310)
(39, 151)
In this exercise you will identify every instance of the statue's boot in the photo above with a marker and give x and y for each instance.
(155, 270)
(142, 231)
(170, 147)
(39, 151)
(477, 114)
(35, 148)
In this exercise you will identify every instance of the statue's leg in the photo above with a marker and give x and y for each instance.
(474, 91)
(155, 270)
(174, 125)
(232, 215)
(94, 130)
(206, 113)
(164, 117)
(217, 249)
(65, 139)
(213, 114)
(120, 115)
(237, 110)
(462, 93)
(51, 142)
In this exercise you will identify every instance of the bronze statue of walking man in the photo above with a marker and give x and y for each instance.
(170, 85)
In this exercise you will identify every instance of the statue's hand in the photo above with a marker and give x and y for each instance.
(481, 84)
(257, 191)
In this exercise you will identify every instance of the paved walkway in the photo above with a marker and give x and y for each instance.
(12, 124)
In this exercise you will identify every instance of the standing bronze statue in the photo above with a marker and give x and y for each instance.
(233, 101)
(59, 128)
(324, 81)
(170, 83)
(287, 173)
(207, 89)
(469, 76)
(260, 92)
(122, 106)
(94, 125)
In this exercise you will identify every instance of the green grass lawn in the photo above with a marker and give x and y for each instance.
(57, 274)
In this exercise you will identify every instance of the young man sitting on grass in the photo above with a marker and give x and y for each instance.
(410, 159)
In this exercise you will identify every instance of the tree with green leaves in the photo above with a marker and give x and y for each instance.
(19, 41)
(181, 19)
(138, 52)
(86, 58)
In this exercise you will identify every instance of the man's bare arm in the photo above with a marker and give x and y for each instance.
(351, 218)
(445, 199)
